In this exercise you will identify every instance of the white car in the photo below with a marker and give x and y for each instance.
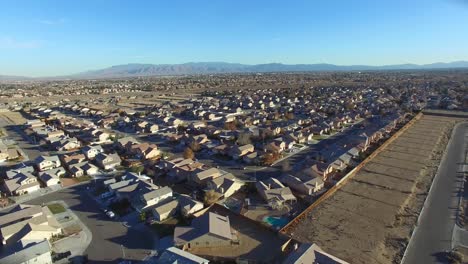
(110, 214)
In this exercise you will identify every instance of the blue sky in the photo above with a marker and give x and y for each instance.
(47, 38)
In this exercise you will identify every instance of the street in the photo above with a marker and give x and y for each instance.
(433, 235)
(111, 240)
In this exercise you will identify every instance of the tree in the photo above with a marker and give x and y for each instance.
(195, 146)
(137, 169)
(211, 197)
(188, 153)
(269, 158)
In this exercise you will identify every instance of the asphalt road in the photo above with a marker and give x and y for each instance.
(111, 241)
(433, 236)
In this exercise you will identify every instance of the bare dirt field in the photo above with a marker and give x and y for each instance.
(369, 220)
(12, 118)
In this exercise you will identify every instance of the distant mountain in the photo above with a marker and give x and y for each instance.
(12, 78)
(131, 70)
(135, 69)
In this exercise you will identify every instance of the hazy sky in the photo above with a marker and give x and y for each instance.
(46, 38)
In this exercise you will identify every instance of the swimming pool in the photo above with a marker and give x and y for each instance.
(276, 221)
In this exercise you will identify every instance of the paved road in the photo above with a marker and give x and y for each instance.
(110, 239)
(433, 235)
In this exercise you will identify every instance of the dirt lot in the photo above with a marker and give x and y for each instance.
(256, 241)
(12, 118)
(369, 220)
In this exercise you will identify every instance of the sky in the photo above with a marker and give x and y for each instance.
(52, 38)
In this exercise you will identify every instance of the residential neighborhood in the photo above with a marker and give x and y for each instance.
(202, 178)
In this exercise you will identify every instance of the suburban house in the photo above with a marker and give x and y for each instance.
(179, 169)
(67, 144)
(275, 193)
(226, 185)
(107, 161)
(237, 152)
(91, 151)
(51, 177)
(311, 253)
(304, 185)
(165, 210)
(202, 177)
(37, 252)
(21, 183)
(69, 160)
(145, 151)
(47, 162)
(156, 196)
(174, 255)
(188, 206)
(27, 224)
(209, 230)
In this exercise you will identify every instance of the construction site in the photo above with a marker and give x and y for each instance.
(369, 217)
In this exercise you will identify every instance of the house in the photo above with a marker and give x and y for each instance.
(37, 252)
(311, 254)
(250, 158)
(47, 162)
(306, 185)
(174, 255)
(88, 168)
(91, 151)
(125, 142)
(152, 128)
(101, 136)
(12, 173)
(188, 206)
(76, 171)
(28, 223)
(275, 193)
(209, 230)
(21, 183)
(165, 210)
(67, 144)
(238, 152)
(69, 160)
(275, 147)
(179, 169)
(108, 161)
(202, 177)
(156, 196)
(51, 177)
(322, 169)
(145, 151)
(226, 185)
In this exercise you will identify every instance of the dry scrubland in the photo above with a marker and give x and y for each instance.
(369, 220)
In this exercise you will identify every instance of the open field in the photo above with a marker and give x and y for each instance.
(369, 220)
(12, 118)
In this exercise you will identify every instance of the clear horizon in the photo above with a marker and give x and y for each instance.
(53, 38)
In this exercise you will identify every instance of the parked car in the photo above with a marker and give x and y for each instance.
(110, 214)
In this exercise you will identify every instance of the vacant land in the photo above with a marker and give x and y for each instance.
(369, 220)
(12, 118)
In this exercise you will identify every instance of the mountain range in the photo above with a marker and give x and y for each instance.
(136, 69)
